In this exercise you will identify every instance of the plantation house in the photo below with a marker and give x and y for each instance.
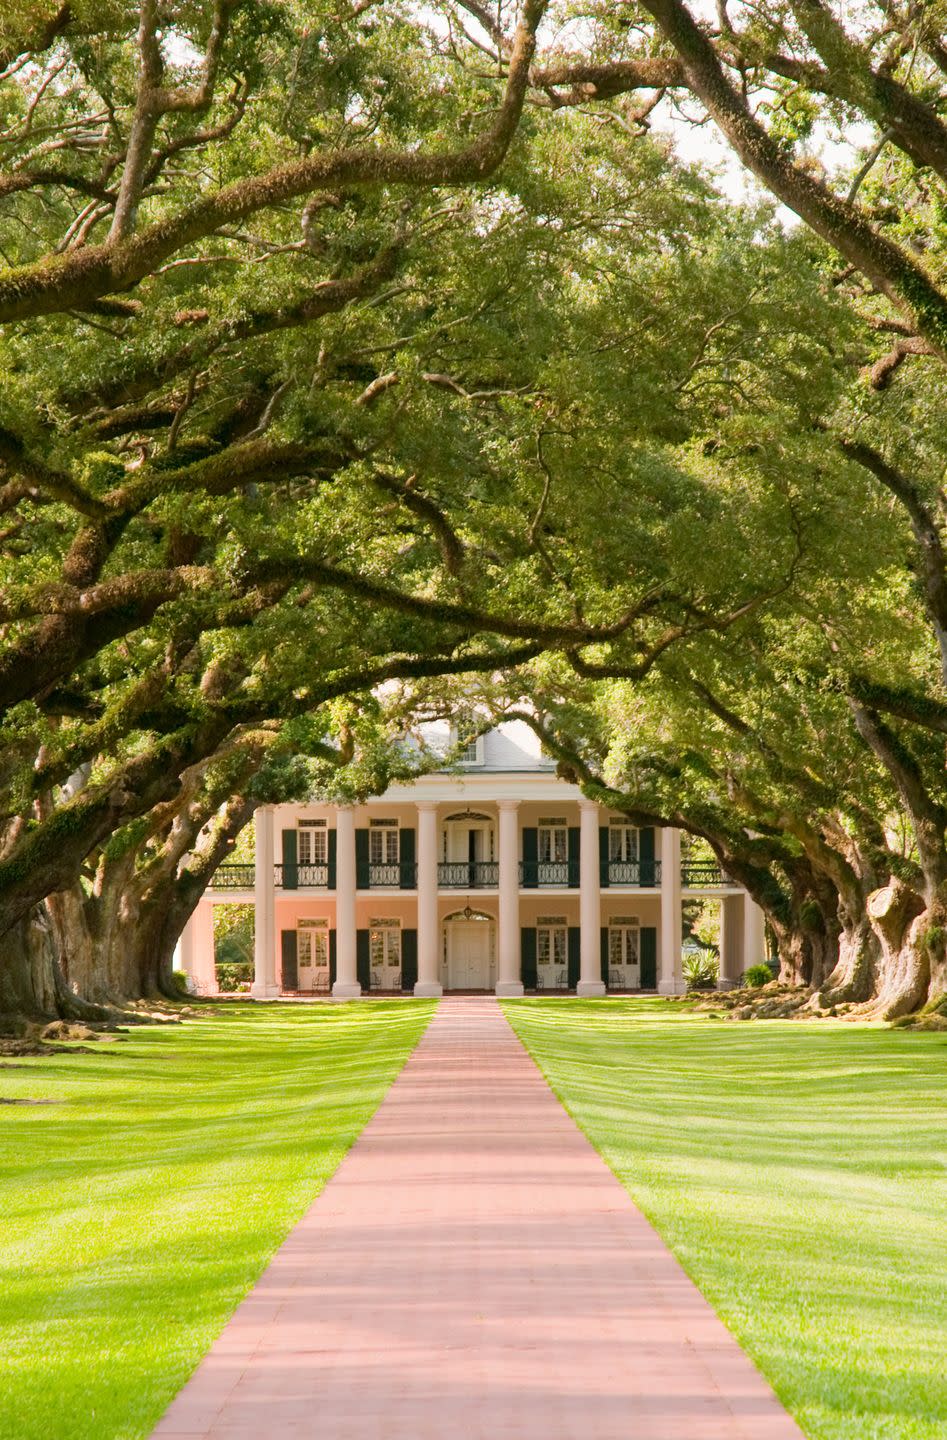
(494, 875)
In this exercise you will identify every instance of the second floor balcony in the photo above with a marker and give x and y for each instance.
(466, 875)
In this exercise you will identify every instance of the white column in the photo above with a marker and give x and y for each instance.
(346, 985)
(205, 965)
(590, 903)
(754, 934)
(429, 940)
(509, 981)
(264, 918)
(731, 942)
(185, 949)
(670, 974)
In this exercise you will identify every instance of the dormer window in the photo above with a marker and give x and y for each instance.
(472, 752)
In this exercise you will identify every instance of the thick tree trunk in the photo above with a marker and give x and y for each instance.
(852, 978)
(806, 952)
(907, 933)
(33, 986)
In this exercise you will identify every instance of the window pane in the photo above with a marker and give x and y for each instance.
(312, 844)
(615, 956)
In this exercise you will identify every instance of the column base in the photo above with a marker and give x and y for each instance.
(671, 987)
(725, 984)
(261, 991)
(509, 989)
(428, 990)
(591, 989)
(345, 990)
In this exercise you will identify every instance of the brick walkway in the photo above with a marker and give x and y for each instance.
(473, 1271)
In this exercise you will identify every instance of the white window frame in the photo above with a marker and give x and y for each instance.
(309, 954)
(308, 832)
(384, 842)
(552, 951)
(625, 929)
(629, 845)
(384, 953)
(471, 754)
(555, 831)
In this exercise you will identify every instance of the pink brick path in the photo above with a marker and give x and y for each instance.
(473, 1271)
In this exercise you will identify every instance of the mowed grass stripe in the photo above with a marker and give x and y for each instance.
(799, 1172)
(137, 1211)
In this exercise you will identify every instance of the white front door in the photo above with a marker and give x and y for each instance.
(468, 955)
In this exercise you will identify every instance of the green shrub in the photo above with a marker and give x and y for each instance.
(757, 975)
(700, 969)
(179, 984)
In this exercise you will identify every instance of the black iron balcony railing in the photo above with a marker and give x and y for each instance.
(232, 877)
(561, 873)
(632, 872)
(302, 877)
(401, 875)
(702, 872)
(468, 875)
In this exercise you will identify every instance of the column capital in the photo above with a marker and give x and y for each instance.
(508, 804)
(425, 804)
(586, 804)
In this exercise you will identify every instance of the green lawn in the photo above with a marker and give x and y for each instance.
(138, 1209)
(799, 1172)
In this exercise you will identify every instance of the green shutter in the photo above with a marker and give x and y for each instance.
(649, 958)
(603, 855)
(409, 959)
(363, 966)
(333, 958)
(331, 852)
(362, 872)
(290, 861)
(573, 852)
(528, 956)
(603, 934)
(575, 955)
(646, 870)
(406, 851)
(530, 861)
(289, 974)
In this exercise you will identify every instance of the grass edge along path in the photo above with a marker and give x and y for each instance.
(138, 1209)
(799, 1174)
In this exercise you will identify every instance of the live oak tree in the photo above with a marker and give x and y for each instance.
(250, 471)
(338, 351)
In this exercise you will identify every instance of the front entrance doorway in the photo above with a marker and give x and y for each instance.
(470, 951)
